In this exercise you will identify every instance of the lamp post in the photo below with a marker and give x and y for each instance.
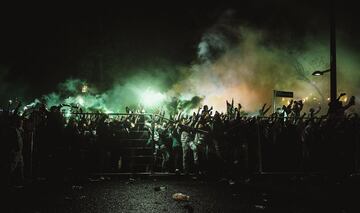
(332, 70)
(333, 93)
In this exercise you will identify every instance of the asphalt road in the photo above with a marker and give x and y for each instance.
(113, 194)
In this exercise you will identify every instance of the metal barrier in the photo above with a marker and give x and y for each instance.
(273, 155)
(131, 150)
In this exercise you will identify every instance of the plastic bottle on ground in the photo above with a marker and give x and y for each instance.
(180, 197)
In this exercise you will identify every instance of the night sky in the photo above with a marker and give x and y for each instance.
(43, 45)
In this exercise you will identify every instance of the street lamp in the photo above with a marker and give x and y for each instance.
(318, 73)
(332, 70)
(333, 92)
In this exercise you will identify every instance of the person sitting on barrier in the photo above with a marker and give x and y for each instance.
(174, 133)
(186, 137)
(163, 146)
(200, 145)
(158, 139)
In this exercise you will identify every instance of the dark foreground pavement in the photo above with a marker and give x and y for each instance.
(115, 194)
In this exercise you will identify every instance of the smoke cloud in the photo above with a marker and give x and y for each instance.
(234, 61)
(250, 69)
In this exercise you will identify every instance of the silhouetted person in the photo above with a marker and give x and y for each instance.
(16, 160)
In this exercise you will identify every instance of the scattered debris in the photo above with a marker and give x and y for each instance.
(94, 179)
(177, 172)
(160, 188)
(75, 187)
(180, 197)
(353, 175)
(258, 206)
(247, 181)
(231, 182)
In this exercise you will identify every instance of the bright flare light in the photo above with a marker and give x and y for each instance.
(80, 100)
(108, 111)
(84, 88)
(67, 113)
(151, 98)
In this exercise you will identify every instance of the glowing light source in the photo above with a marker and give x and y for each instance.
(67, 113)
(80, 100)
(318, 73)
(84, 88)
(151, 98)
(108, 111)
(305, 99)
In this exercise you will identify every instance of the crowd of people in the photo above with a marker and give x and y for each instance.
(43, 142)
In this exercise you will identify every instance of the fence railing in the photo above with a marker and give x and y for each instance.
(284, 154)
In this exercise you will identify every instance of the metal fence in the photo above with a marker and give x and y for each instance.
(260, 151)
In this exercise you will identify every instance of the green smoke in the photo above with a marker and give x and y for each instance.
(234, 61)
